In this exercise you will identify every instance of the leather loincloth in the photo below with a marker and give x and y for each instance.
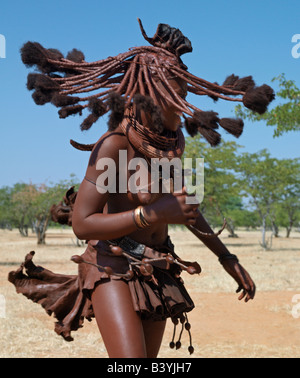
(68, 296)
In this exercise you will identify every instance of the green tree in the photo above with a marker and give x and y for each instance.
(6, 211)
(221, 186)
(269, 183)
(257, 173)
(285, 116)
(22, 196)
(40, 207)
(288, 208)
(28, 205)
(243, 217)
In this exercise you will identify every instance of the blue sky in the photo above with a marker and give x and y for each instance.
(241, 37)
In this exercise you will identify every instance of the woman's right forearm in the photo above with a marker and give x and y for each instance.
(104, 226)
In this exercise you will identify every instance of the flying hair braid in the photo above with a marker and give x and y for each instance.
(115, 83)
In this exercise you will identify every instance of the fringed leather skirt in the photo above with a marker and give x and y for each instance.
(156, 295)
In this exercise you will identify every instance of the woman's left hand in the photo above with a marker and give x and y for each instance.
(242, 277)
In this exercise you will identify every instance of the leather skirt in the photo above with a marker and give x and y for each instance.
(155, 296)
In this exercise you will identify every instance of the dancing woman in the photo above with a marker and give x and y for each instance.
(129, 275)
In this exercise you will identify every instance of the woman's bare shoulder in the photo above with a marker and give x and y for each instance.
(109, 145)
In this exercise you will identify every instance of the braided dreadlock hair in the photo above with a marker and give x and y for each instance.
(115, 83)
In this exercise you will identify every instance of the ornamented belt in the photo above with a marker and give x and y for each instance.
(142, 259)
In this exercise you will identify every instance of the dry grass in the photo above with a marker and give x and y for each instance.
(221, 325)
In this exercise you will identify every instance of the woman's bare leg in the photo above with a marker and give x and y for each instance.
(153, 333)
(119, 324)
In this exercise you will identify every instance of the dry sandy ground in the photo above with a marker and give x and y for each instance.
(222, 326)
